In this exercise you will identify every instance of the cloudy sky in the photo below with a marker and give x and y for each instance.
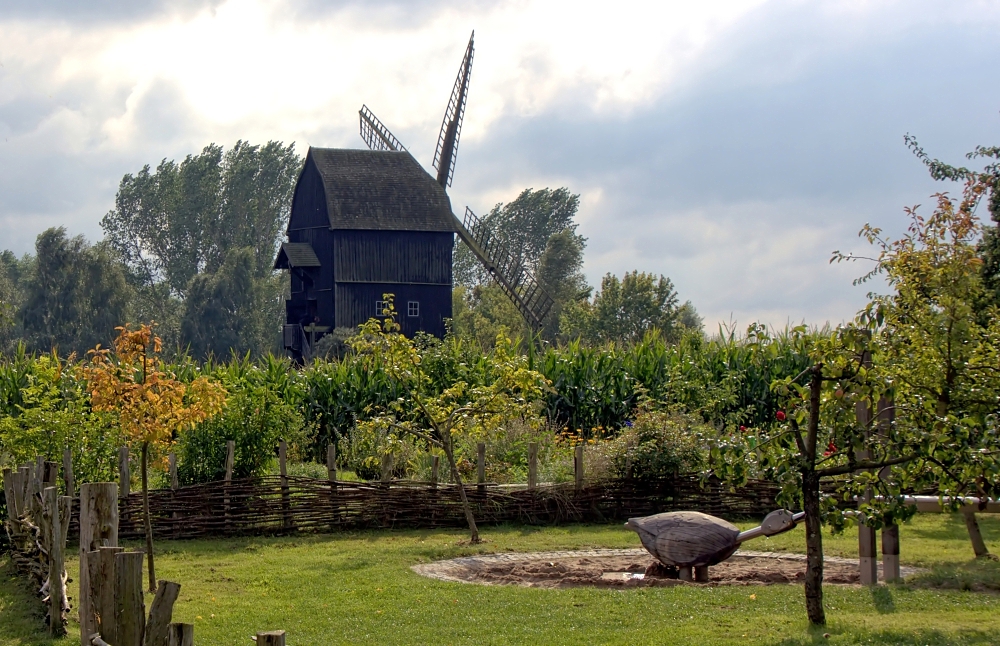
(731, 145)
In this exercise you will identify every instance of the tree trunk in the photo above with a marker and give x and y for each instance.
(473, 530)
(146, 520)
(814, 549)
(810, 504)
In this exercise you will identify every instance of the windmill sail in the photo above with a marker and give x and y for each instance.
(376, 135)
(451, 125)
(516, 280)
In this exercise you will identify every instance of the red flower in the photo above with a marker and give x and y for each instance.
(780, 415)
(743, 429)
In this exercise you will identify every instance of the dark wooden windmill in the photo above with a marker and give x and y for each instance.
(370, 222)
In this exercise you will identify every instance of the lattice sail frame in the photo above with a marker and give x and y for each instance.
(451, 125)
(376, 135)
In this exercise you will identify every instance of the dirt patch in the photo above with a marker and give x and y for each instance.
(627, 569)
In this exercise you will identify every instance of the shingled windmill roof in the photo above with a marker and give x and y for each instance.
(380, 190)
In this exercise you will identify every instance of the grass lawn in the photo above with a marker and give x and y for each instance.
(358, 589)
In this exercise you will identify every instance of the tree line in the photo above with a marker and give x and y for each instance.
(190, 246)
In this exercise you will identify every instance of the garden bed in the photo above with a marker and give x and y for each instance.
(630, 568)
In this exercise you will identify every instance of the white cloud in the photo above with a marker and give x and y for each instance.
(730, 145)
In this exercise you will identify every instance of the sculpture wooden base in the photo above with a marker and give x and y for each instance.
(697, 574)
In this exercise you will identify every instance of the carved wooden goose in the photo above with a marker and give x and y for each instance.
(691, 539)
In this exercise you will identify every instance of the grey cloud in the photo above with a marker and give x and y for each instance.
(98, 11)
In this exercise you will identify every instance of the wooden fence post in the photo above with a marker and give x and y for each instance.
(890, 553)
(867, 556)
(271, 638)
(578, 467)
(174, 482)
(101, 571)
(68, 472)
(57, 589)
(331, 461)
(481, 467)
(435, 470)
(160, 613)
(230, 461)
(98, 527)
(124, 474)
(386, 468)
(130, 609)
(532, 465)
(286, 501)
(331, 476)
(181, 635)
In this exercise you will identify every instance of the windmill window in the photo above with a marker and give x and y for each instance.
(381, 307)
(413, 308)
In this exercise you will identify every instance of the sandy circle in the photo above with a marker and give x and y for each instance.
(629, 569)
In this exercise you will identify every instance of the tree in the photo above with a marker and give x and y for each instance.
(183, 220)
(624, 310)
(219, 313)
(438, 416)
(73, 294)
(939, 341)
(819, 440)
(524, 226)
(151, 405)
(920, 359)
(560, 272)
(989, 179)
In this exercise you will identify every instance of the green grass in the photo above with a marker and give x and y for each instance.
(357, 588)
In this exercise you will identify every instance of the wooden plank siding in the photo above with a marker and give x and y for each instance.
(378, 224)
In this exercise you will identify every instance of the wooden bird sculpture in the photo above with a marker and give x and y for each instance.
(691, 539)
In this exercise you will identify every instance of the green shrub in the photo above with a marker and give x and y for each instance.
(255, 418)
(53, 413)
(658, 444)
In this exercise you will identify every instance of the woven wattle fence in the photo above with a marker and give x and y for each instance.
(267, 506)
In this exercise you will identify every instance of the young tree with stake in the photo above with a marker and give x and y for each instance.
(437, 417)
(151, 405)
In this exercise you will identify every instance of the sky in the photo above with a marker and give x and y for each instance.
(731, 146)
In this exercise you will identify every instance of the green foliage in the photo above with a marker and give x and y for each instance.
(623, 311)
(184, 221)
(51, 412)
(261, 409)
(659, 444)
(74, 294)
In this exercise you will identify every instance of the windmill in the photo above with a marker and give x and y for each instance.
(513, 277)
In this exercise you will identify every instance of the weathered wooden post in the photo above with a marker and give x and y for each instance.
(130, 609)
(57, 586)
(481, 467)
(174, 482)
(174, 485)
(68, 472)
(124, 474)
(435, 470)
(331, 462)
(578, 467)
(181, 635)
(532, 465)
(890, 553)
(867, 556)
(160, 613)
(230, 461)
(331, 476)
(386, 468)
(271, 638)
(98, 528)
(286, 501)
(101, 572)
